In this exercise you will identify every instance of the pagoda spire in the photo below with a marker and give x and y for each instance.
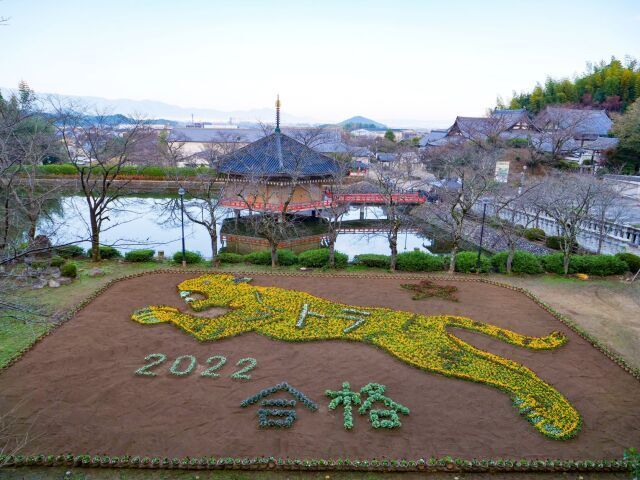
(278, 114)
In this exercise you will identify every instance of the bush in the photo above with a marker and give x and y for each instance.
(69, 251)
(523, 262)
(106, 252)
(228, 257)
(143, 255)
(69, 269)
(600, 265)
(189, 257)
(466, 262)
(319, 257)
(285, 257)
(557, 243)
(372, 260)
(418, 261)
(57, 261)
(632, 261)
(534, 234)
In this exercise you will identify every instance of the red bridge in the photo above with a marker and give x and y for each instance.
(378, 198)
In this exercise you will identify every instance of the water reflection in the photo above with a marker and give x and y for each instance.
(138, 223)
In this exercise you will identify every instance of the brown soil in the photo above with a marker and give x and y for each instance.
(80, 395)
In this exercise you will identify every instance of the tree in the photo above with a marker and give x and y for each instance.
(559, 127)
(627, 128)
(568, 199)
(99, 152)
(466, 174)
(389, 135)
(389, 181)
(607, 208)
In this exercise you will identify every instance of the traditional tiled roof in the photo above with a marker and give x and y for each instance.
(278, 155)
(432, 136)
(585, 122)
(215, 135)
(508, 118)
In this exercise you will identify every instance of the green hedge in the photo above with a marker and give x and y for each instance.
(372, 260)
(557, 243)
(57, 261)
(319, 258)
(285, 257)
(153, 171)
(69, 251)
(417, 261)
(534, 234)
(69, 269)
(229, 257)
(600, 265)
(189, 257)
(466, 262)
(143, 255)
(106, 252)
(632, 261)
(523, 262)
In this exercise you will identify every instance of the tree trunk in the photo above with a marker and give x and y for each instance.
(95, 239)
(600, 236)
(332, 251)
(214, 244)
(32, 231)
(452, 260)
(565, 260)
(510, 260)
(274, 255)
(393, 246)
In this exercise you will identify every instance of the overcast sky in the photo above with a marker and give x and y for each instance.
(393, 60)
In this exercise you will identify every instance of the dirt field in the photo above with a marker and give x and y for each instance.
(80, 394)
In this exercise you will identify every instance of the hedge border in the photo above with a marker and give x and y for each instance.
(445, 464)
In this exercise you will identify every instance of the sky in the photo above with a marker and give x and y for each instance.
(397, 61)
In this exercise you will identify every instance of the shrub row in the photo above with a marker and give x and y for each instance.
(130, 170)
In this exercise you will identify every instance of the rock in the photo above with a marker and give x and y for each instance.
(40, 283)
(53, 283)
(96, 272)
(65, 280)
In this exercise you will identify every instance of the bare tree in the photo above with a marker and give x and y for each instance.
(560, 131)
(390, 182)
(99, 152)
(466, 174)
(568, 199)
(337, 187)
(607, 208)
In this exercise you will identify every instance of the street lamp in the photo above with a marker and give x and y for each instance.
(484, 213)
(181, 192)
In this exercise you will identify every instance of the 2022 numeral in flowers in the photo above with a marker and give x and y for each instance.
(185, 364)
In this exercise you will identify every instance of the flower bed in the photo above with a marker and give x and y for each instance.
(418, 340)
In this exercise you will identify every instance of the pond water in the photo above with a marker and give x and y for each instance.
(141, 222)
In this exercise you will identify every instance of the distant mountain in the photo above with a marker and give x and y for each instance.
(358, 121)
(154, 109)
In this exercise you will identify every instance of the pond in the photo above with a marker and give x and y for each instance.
(141, 222)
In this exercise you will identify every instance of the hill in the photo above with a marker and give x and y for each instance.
(356, 122)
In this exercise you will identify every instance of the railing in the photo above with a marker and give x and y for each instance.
(378, 198)
(615, 237)
(275, 207)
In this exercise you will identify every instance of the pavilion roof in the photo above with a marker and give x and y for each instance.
(278, 155)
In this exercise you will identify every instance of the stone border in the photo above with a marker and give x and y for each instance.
(445, 464)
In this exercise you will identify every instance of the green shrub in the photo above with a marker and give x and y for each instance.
(57, 169)
(285, 257)
(557, 243)
(189, 257)
(229, 257)
(106, 252)
(69, 251)
(57, 261)
(418, 261)
(523, 262)
(39, 264)
(143, 255)
(69, 269)
(600, 265)
(466, 262)
(372, 260)
(319, 257)
(632, 261)
(534, 234)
